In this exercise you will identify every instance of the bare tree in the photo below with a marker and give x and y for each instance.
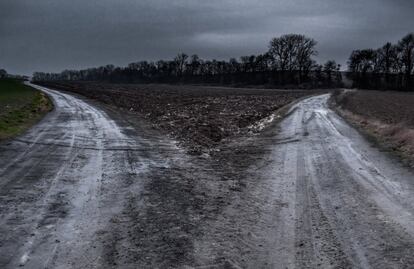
(305, 51)
(362, 61)
(292, 52)
(234, 65)
(406, 49)
(194, 65)
(181, 62)
(331, 68)
(246, 63)
(262, 63)
(387, 55)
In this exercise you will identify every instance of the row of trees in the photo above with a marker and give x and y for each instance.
(4, 74)
(289, 60)
(388, 67)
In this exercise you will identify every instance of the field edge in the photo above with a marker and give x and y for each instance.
(16, 122)
(391, 138)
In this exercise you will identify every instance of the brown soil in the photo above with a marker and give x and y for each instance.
(200, 118)
(388, 117)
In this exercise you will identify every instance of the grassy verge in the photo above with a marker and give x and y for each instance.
(20, 107)
(385, 117)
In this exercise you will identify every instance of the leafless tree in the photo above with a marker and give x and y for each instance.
(362, 61)
(406, 49)
(194, 65)
(181, 62)
(331, 69)
(292, 52)
(387, 56)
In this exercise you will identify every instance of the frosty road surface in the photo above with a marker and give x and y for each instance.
(61, 183)
(322, 197)
(82, 189)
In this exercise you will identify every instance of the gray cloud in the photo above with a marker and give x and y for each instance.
(52, 35)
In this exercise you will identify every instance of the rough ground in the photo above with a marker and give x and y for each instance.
(91, 188)
(388, 107)
(388, 117)
(199, 117)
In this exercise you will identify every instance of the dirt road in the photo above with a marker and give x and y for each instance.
(63, 181)
(322, 197)
(83, 191)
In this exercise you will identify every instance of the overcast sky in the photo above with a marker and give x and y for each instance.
(52, 35)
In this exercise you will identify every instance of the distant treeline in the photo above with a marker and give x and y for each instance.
(289, 61)
(390, 67)
(5, 75)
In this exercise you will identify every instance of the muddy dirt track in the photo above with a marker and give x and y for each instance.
(90, 188)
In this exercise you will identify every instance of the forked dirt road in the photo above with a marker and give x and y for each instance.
(83, 189)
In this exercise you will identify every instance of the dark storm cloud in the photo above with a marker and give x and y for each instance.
(51, 35)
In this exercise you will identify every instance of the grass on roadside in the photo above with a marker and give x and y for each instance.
(20, 107)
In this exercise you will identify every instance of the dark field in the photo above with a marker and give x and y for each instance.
(387, 107)
(199, 117)
(20, 107)
(388, 116)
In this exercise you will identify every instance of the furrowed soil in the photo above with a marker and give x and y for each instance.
(200, 118)
(20, 107)
(387, 117)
